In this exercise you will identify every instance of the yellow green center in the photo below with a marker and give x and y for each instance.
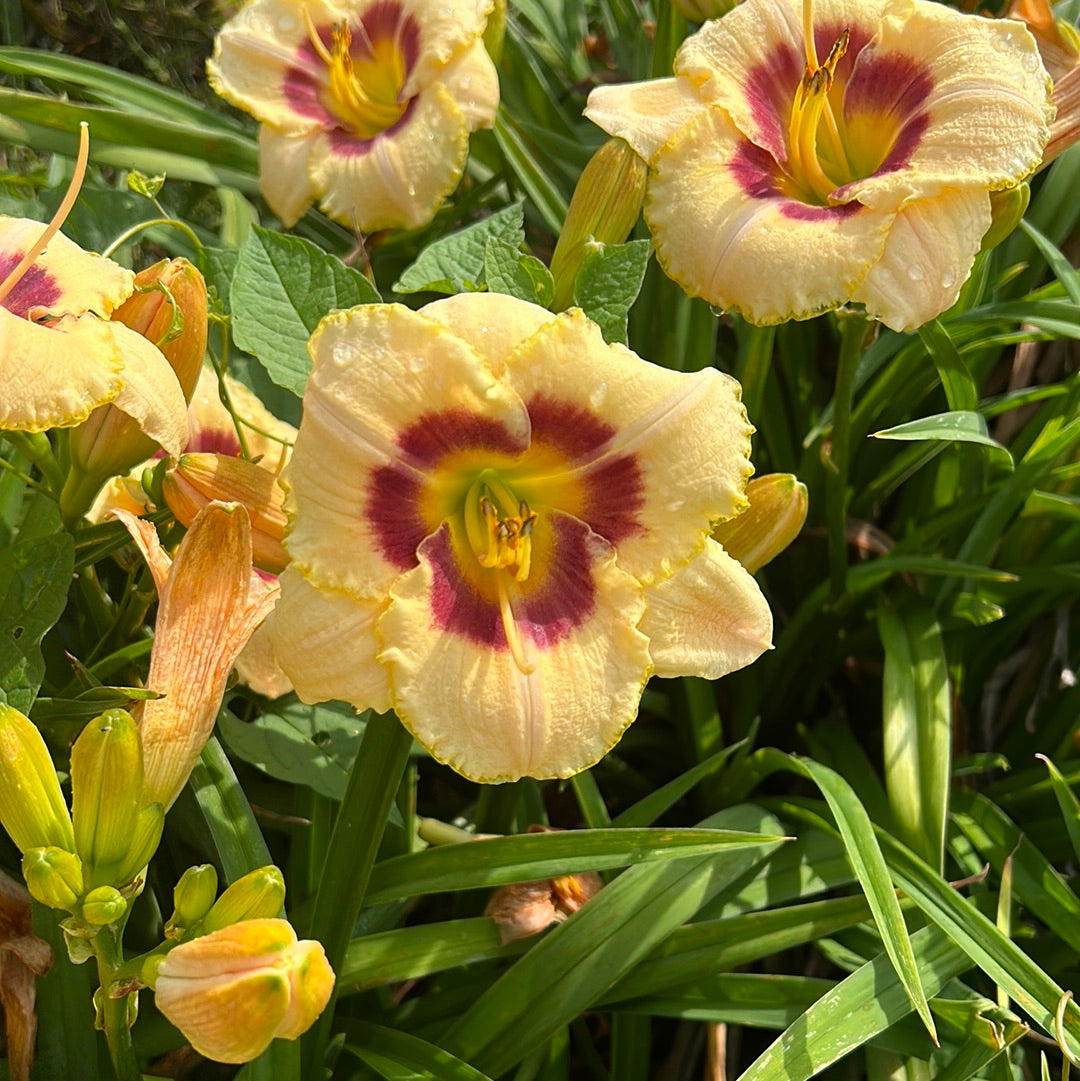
(365, 91)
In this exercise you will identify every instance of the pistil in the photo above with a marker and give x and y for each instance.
(366, 100)
(499, 528)
(810, 110)
(38, 247)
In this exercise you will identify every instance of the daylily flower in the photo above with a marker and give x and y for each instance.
(365, 104)
(60, 357)
(210, 602)
(500, 529)
(804, 156)
(232, 992)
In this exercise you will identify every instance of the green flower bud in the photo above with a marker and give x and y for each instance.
(32, 807)
(777, 510)
(258, 895)
(193, 897)
(106, 783)
(54, 877)
(603, 209)
(103, 905)
(1006, 209)
(143, 843)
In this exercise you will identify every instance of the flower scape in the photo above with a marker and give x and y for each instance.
(538, 540)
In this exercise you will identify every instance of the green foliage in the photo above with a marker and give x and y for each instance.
(838, 853)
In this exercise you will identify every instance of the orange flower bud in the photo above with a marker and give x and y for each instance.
(198, 479)
(778, 505)
(231, 992)
(168, 309)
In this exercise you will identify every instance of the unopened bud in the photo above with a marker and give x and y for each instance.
(603, 209)
(198, 479)
(32, 807)
(193, 897)
(103, 905)
(1057, 40)
(54, 877)
(144, 842)
(260, 894)
(106, 784)
(168, 308)
(778, 505)
(1007, 207)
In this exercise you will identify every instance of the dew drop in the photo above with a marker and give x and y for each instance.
(343, 354)
(915, 273)
(286, 24)
(597, 395)
(948, 279)
(417, 364)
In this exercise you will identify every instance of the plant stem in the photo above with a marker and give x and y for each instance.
(114, 1011)
(853, 330)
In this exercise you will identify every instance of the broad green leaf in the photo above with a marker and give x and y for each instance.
(916, 708)
(580, 959)
(509, 270)
(959, 426)
(864, 1004)
(399, 1056)
(608, 283)
(954, 374)
(308, 745)
(282, 289)
(1067, 803)
(501, 860)
(34, 579)
(455, 263)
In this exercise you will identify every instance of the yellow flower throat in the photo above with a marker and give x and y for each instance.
(364, 92)
(499, 528)
(816, 170)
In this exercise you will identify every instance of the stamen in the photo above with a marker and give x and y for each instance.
(316, 40)
(38, 247)
(510, 628)
(808, 36)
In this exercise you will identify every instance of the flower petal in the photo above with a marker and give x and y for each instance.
(929, 254)
(254, 53)
(645, 114)
(444, 643)
(472, 81)
(151, 395)
(65, 279)
(446, 30)
(390, 393)
(708, 619)
(724, 232)
(494, 324)
(56, 376)
(325, 643)
(398, 178)
(661, 454)
(989, 104)
(284, 172)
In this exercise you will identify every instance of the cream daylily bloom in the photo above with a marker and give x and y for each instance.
(233, 991)
(210, 602)
(61, 357)
(792, 172)
(366, 105)
(500, 529)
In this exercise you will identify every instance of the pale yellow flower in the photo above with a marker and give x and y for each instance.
(366, 105)
(500, 529)
(233, 991)
(806, 156)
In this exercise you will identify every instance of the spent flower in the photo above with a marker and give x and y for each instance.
(808, 153)
(500, 529)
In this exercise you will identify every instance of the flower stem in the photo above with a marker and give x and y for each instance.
(373, 783)
(853, 332)
(114, 1011)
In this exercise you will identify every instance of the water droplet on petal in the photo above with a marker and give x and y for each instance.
(948, 279)
(343, 354)
(915, 273)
